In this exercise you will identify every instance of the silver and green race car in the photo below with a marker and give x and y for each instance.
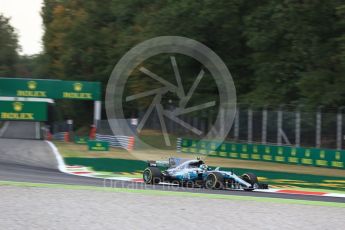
(192, 173)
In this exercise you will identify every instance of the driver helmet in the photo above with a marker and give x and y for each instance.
(203, 167)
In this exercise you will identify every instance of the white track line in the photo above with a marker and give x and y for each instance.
(4, 128)
(270, 190)
(59, 159)
(335, 195)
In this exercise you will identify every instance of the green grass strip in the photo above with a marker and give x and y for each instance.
(176, 194)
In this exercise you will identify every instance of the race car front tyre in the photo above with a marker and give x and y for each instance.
(214, 180)
(252, 179)
(152, 175)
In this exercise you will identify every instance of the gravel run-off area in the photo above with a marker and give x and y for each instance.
(57, 208)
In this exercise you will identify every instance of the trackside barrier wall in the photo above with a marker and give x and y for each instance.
(61, 136)
(125, 142)
(268, 153)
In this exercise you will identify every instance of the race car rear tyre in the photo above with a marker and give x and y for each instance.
(152, 175)
(252, 179)
(189, 184)
(214, 180)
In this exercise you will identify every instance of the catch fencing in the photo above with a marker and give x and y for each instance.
(289, 126)
(280, 125)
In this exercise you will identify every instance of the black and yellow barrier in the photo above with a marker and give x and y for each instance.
(280, 154)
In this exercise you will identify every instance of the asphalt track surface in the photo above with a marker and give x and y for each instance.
(22, 130)
(23, 173)
(14, 170)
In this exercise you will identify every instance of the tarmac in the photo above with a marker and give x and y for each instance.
(26, 207)
(54, 208)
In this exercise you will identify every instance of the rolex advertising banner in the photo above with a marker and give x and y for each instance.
(81, 139)
(269, 153)
(23, 110)
(98, 145)
(54, 89)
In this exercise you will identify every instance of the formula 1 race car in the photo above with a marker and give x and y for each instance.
(192, 173)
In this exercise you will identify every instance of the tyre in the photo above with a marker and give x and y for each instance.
(214, 180)
(152, 175)
(189, 184)
(252, 179)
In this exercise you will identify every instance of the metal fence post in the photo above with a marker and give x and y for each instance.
(340, 128)
(264, 126)
(298, 127)
(209, 120)
(318, 127)
(250, 125)
(237, 124)
(279, 125)
(97, 112)
(222, 118)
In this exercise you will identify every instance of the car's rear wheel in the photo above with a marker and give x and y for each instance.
(214, 180)
(189, 184)
(152, 175)
(252, 179)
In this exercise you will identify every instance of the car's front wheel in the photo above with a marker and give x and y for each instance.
(252, 179)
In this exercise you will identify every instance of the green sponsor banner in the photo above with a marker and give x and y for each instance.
(98, 145)
(337, 159)
(81, 140)
(269, 153)
(55, 89)
(23, 110)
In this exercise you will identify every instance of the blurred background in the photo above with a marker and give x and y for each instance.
(287, 59)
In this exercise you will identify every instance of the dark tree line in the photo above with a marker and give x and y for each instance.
(278, 51)
(285, 51)
(8, 48)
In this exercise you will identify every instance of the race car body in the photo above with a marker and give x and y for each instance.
(197, 173)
